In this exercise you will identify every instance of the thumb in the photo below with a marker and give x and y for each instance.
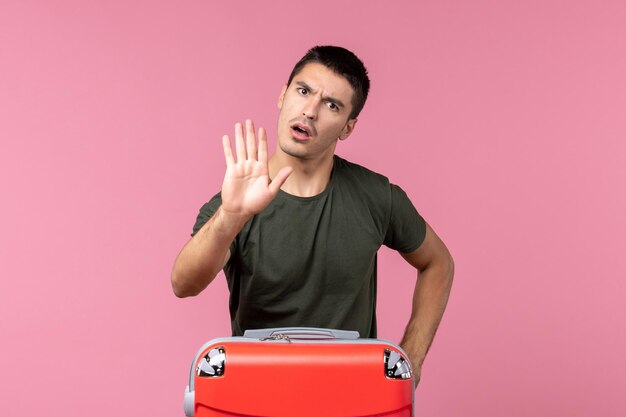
(280, 179)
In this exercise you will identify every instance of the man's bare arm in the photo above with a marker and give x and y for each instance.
(435, 274)
(205, 254)
(246, 191)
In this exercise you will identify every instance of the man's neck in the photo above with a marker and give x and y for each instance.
(309, 177)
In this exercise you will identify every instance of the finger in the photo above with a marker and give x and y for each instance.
(239, 143)
(262, 146)
(250, 139)
(228, 152)
(280, 179)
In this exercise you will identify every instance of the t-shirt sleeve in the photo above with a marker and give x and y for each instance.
(206, 212)
(407, 228)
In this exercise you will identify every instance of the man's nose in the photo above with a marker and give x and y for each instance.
(310, 109)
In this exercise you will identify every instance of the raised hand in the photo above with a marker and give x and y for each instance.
(247, 188)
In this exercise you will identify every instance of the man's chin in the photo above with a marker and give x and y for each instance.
(293, 151)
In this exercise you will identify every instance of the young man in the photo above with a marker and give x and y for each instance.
(297, 235)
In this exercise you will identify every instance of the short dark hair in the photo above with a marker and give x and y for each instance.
(342, 62)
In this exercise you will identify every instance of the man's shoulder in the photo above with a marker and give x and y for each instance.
(357, 172)
(207, 210)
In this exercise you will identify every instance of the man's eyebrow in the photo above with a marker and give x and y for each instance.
(338, 102)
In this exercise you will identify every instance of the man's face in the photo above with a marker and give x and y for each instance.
(314, 113)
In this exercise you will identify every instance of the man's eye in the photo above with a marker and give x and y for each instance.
(303, 91)
(332, 106)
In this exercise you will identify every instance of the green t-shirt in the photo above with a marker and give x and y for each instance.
(311, 261)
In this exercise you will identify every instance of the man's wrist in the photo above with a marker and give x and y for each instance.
(229, 221)
(413, 351)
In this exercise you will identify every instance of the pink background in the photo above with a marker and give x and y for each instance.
(504, 121)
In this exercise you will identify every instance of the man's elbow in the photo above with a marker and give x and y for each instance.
(442, 266)
(448, 266)
(181, 287)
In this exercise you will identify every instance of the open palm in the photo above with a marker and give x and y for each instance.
(247, 188)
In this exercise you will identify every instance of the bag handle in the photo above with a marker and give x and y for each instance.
(302, 333)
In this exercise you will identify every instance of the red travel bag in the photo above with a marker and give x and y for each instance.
(300, 372)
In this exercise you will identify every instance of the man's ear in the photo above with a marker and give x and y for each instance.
(349, 127)
(281, 97)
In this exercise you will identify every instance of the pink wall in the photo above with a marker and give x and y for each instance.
(503, 120)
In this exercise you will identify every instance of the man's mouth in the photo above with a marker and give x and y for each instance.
(301, 131)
